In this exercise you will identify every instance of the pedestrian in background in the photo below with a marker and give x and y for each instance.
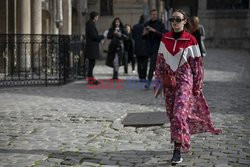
(92, 46)
(179, 58)
(152, 33)
(129, 50)
(198, 31)
(140, 49)
(117, 35)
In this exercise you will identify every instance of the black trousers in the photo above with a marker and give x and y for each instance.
(153, 59)
(128, 57)
(132, 60)
(91, 67)
(142, 66)
(125, 59)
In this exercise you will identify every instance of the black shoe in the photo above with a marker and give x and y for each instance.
(115, 75)
(96, 82)
(92, 81)
(176, 157)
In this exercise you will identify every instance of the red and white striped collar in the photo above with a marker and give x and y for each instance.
(184, 36)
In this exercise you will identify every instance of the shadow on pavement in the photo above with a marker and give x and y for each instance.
(124, 157)
(218, 94)
(122, 93)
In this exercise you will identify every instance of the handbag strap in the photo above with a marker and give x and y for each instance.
(182, 54)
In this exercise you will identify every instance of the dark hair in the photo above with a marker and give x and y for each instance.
(142, 19)
(152, 10)
(93, 14)
(187, 26)
(113, 23)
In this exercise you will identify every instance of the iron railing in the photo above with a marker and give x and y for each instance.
(40, 59)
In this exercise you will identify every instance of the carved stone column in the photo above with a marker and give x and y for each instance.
(36, 17)
(24, 27)
(11, 40)
(36, 28)
(66, 28)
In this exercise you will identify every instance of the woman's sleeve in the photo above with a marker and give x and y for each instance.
(161, 30)
(197, 68)
(202, 32)
(124, 35)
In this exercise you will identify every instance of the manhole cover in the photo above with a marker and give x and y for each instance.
(145, 119)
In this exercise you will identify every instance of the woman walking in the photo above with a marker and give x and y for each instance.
(179, 69)
(129, 50)
(117, 35)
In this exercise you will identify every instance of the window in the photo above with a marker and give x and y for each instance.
(227, 4)
(106, 7)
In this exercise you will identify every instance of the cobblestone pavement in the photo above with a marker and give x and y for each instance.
(73, 126)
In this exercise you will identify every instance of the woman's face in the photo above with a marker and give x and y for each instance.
(117, 23)
(128, 29)
(96, 18)
(178, 21)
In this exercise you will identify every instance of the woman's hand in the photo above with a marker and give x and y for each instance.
(118, 34)
(151, 29)
(145, 31)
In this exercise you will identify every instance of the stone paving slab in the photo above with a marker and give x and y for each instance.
(145, 119)
(70, 125)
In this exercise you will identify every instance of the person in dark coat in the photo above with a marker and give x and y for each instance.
(198, 31)
(92, 45)
(129, 50)
(152, 33)
(117, 35)
(140, 49)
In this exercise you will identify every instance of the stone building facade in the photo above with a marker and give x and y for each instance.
(227, 22)
(40, 16)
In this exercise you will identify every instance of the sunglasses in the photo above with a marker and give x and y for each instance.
(177, 20)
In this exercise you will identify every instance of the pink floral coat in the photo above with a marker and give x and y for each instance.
(186, 106)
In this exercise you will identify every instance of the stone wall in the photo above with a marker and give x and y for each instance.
(229, 29)
(225, 28)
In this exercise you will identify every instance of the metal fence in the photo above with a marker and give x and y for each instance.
(40, 59)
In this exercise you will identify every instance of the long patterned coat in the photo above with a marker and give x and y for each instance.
(186, 106)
